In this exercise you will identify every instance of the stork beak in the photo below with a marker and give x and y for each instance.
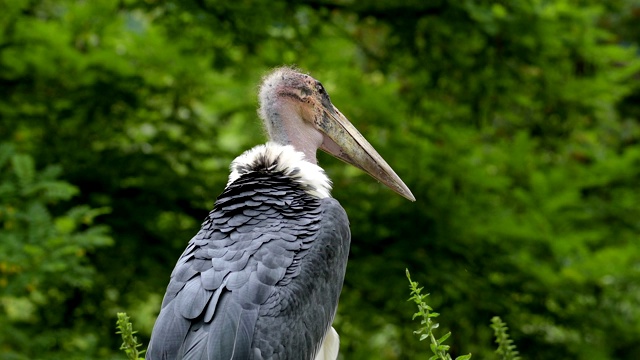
(345, 142)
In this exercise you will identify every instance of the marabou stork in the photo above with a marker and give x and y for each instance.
(262, 277)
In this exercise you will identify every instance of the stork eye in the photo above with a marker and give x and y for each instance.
(320, 89)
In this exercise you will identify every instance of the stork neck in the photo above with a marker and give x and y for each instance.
(287, 127)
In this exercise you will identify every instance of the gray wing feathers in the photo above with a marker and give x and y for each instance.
(294, 321)
(211, 309)
(233, 332)
(250, 262)
(193, 299)
(169, 333)
(195, 346)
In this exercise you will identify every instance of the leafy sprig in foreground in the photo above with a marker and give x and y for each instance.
(129, 342)
(506, 349)
(426, 314)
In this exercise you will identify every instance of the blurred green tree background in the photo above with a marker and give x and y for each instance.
(515, 123)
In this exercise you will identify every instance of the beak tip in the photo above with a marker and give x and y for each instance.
(406, 193)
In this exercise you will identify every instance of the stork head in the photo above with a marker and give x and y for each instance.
(297, 111)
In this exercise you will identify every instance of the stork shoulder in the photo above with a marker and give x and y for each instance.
(283, 159)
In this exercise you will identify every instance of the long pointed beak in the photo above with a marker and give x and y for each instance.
(345, 142)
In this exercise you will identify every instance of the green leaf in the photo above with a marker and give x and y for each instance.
(444, 337)
(24, 168)
(6, 151)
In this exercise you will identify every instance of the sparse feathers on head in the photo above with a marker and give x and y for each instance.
(291, 106)
(270, 83)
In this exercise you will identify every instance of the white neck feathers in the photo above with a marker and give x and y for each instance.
(286, 160)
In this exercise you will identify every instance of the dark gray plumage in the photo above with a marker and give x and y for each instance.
(268, 259)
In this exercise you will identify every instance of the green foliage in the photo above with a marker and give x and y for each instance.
(44, 258)
(426, 315)
(130, 343)
(506, 349)
(516, 125)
